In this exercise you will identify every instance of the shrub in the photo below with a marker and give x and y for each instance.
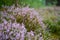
(19, 23)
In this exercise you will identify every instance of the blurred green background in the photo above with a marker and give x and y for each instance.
(31, 3)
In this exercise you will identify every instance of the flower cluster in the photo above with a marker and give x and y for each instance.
(12, 31)
(20, 23)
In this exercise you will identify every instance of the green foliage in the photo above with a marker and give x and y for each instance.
(51, 2)
(30, 24)
(53, 27)
(0, 18)
(1, 21)
(19, 18)
(6, 2)
(31, 3)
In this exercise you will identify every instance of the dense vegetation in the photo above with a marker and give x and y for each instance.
(20, 18)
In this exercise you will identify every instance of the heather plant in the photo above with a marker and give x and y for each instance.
(12, 31)
(52, 29)
(27, 24)
(20, 24)
(30, 23)
(52, 25)
(30, 20)
(51, 21)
